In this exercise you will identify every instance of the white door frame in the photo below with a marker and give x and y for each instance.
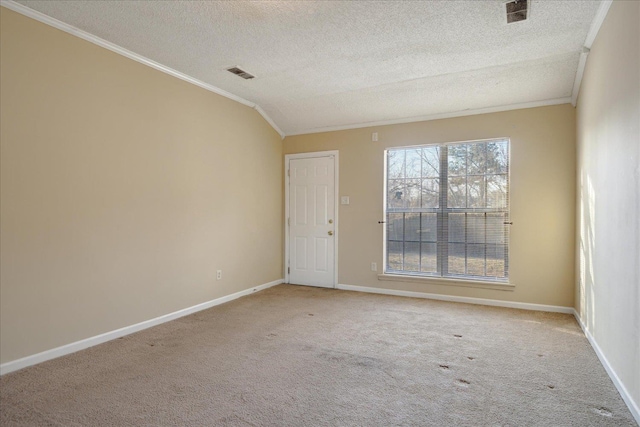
(287, 159)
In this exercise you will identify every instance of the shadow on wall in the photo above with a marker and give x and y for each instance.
(587, 202)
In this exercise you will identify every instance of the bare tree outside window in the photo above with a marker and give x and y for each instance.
(447, 210)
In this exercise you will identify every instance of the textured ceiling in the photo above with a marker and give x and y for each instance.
(327, 64)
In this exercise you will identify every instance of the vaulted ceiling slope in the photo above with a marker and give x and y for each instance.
(322, 65)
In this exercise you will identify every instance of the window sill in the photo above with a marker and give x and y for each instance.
(500, 286)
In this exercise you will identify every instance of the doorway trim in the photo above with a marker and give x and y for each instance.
(317, 154)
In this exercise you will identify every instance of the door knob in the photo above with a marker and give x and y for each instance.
(330, 221)
(330, 233)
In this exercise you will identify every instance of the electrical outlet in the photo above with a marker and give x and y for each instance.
(219, 275)
(374, 266)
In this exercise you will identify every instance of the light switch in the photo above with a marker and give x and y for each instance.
(374, 136)
(344, 200)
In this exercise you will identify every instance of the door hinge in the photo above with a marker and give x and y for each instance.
(288, 270)
(288, 172)
(288, 221)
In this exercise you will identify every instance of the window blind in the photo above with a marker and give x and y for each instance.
(447, 210)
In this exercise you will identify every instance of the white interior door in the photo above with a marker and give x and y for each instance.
(312, 222)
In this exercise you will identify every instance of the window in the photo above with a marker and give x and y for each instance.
(447, 210)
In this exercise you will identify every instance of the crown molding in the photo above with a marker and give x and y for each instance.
(268, 119)
(601, 14)
(70, 29)
(41, 17)
(470, 112)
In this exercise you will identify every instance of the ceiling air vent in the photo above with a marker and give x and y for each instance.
(238, 72)
(516, 11)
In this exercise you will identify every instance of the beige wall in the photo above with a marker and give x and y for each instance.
(608, 119)
(123, 190)
(542, 201)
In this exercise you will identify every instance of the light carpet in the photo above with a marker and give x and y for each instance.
(300, 356)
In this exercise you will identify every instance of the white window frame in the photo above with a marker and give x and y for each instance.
(462, 280)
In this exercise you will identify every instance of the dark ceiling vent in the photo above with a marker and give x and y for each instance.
(516, 11)
(238, 72)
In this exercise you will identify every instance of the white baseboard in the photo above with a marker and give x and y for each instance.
(467, 300)
(633, 406)
(34, 359)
